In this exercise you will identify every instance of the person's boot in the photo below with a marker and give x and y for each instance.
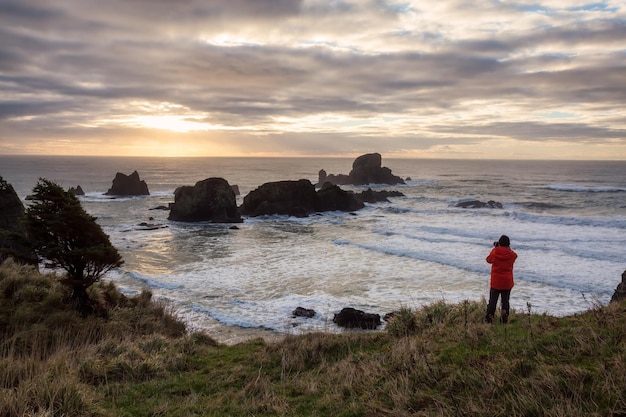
(504, 319)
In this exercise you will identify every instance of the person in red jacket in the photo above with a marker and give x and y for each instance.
(501, 259)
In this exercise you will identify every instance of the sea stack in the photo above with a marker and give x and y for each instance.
(212, 200)
(366, 169)
(125, 185)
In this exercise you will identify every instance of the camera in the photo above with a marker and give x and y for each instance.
(496, 244)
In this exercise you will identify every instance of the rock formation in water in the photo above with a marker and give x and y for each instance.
(298, 199)
(127, 185)
(332, 198)
(212, 199)
(366, 169)
(479, 204)
(76, 191)
(370, 196)
(356, 319)
(303, 312)
(293, 198)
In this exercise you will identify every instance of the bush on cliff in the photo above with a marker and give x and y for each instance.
(64, 236)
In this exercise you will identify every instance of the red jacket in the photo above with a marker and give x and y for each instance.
(502, 259)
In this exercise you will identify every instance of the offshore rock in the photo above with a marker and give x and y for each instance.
(620, 291)
(128, 185)
(293, 198)
(76, 191)
(479, 204)
(366, 169)
(212, 199)
(370, 196)
(356, 319)
(332, 198)
(12, 234)
(321, 177)
(303, 312)
(298, 199)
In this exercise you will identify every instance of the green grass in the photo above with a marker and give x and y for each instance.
(440, 360)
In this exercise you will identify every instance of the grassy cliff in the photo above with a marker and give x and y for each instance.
(138, 360)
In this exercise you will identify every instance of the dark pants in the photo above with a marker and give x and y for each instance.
(493, 301)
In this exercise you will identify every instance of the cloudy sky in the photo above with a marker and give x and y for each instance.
(447, 78)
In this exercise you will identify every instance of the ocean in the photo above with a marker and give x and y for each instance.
(566, 221)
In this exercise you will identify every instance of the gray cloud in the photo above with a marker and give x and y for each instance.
(312, 77)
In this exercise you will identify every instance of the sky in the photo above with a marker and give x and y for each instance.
(526, 79)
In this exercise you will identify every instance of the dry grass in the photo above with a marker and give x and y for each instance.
(52, 360)
(440, 360)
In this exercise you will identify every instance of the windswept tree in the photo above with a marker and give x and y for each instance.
(64, 236)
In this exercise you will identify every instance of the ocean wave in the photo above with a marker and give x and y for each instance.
(608, 222)
(150, 282)
(103, 198)
(422, 182)
(574, 188)
(536, 205)
(275, 314)
(436, 235)
(433, 255)
(562, 282)
(225, 318)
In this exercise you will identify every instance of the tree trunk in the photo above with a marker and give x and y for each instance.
(81, 300)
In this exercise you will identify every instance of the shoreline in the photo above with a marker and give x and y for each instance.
(223, 333)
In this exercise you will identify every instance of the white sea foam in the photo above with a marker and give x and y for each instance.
(154, 282)
(411, 251)
(583, 188)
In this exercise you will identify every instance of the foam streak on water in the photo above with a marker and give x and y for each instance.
(566, 221)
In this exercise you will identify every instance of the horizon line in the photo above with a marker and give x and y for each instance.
(345, 156)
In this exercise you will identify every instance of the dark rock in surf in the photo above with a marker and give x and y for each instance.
(479, 204)
(298, 199)
(366, 169)
(387, 317)
(12, 234)
(338, 179)
(370, 196)
(332, 198)
(293, 198)
(303, 312)
(150, 226)
(356, 319)
(211, 200)
(76, 191)
(620, 291)
(128, 185)
(321, 177)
